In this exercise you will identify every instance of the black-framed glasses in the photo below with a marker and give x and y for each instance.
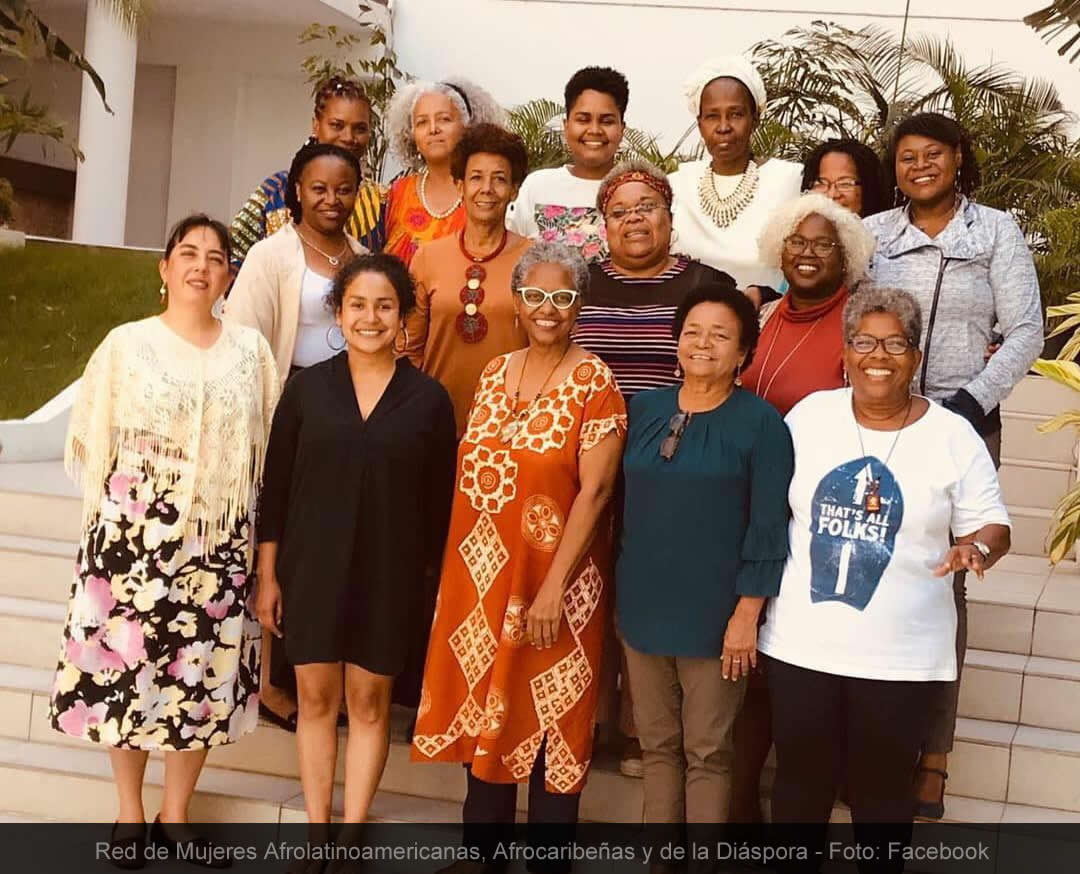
(796, 245)
(895, 344)
(645, 210)
(561, 298)
(844, 184)
(676, 426)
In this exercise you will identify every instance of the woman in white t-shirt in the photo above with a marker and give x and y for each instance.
(864, 628)
(723, 201)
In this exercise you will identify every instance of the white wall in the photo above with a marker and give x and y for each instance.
(522, 49)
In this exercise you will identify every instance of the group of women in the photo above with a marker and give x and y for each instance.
(705, 457)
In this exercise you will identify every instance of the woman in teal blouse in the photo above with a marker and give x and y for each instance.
(704, 540)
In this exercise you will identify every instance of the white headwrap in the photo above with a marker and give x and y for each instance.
(726, 66)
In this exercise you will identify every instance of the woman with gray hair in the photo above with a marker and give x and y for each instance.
(425, 121)
(510, 686)
(891, 495)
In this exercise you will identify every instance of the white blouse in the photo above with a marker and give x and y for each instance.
(317, 336)
(733, 249)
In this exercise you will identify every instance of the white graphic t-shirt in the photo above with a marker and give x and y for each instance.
(859, 597)
(554, 206)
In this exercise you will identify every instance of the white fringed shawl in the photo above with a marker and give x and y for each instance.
(195, 420)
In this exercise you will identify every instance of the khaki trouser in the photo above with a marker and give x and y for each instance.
(685, 713)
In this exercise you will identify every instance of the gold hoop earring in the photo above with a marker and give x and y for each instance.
(404, 345)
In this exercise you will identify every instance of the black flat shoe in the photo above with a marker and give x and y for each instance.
(196, 850)
(127, 845)
(286, 722)
(932, 809)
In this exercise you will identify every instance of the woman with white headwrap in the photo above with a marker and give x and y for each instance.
(723, 201)
(425, 121)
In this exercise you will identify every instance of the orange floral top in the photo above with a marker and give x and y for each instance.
(489, 697)
(408, 225)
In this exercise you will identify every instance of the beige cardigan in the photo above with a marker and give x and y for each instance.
(266, 293)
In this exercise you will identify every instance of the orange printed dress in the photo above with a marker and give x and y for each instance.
(409, 225)
(490, 697)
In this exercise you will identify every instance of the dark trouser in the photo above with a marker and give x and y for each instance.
(488, 817)
(875, 727)
(943, 715)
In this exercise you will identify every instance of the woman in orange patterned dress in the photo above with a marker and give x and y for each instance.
(510, 686)
(425, 122)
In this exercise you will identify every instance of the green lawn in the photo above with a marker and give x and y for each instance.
(57, 302)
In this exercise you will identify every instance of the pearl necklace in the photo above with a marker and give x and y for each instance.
(724, 210)
(421, 189)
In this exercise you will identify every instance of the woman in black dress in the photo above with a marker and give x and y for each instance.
(351, 527)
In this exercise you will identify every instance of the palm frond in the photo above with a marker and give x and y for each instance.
(1059, 19)
(132, 14)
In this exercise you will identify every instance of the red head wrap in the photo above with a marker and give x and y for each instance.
(659, 185)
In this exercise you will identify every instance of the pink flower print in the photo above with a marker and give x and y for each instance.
(99, 600)
(90, 657)
(220, 608)
(553, 211)
(239, 580)
(78, 718)
(191, 662)
(574, 238)
(200, 712)
(125, 638)
(549, 235)
(119, 486)
(590, 250)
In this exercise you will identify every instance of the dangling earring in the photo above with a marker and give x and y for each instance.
(163, 292)
(678, 371)
(405, 346)
(515, 321)
(738, 370)
(846, 383)
(330, 333)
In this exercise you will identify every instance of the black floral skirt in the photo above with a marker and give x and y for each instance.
(160, 651)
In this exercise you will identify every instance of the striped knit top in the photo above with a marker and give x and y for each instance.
(626, 321)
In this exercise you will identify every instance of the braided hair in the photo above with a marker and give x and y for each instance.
(339, 86)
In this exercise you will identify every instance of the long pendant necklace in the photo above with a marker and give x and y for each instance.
(787, 358)
(724, 210)
(421, 190)
(335, 260)
(872, 495)
(516, 420)
(471, 324)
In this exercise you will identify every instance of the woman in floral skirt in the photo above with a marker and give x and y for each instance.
(160, 650)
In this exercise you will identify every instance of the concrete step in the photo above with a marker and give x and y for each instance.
(38, 500)
(1033, 483)
(33, 567)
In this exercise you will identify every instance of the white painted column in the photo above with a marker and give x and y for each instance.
(101, 181)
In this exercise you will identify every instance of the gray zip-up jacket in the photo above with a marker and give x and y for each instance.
(987, 277)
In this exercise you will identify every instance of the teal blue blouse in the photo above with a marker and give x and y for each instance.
(702, 529)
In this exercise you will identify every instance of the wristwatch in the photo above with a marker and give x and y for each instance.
(984, 550)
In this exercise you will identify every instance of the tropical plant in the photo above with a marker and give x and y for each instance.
(369, 57)
(1065, 525)
(1060, 18)
(25, 37)
(537, 123)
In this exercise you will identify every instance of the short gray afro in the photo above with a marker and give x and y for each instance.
(872, 298)
(552, 253)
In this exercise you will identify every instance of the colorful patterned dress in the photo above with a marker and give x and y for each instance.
(490, 697)
(409, 225)
(160, 650)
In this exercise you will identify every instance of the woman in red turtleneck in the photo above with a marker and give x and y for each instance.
(823, 251)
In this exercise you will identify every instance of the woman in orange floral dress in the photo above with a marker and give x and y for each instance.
(510, 686)
(425, 121)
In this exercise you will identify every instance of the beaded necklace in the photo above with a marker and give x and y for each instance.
(725, 210)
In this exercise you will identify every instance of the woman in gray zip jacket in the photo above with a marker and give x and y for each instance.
(970, 268)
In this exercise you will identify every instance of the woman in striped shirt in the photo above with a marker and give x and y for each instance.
(626, 322)
(633, 294)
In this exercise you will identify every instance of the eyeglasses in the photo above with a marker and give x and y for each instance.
(796, 245)
(864, 344)
(561, 298)
(644, 210)
(846, 184)
(676, 426)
